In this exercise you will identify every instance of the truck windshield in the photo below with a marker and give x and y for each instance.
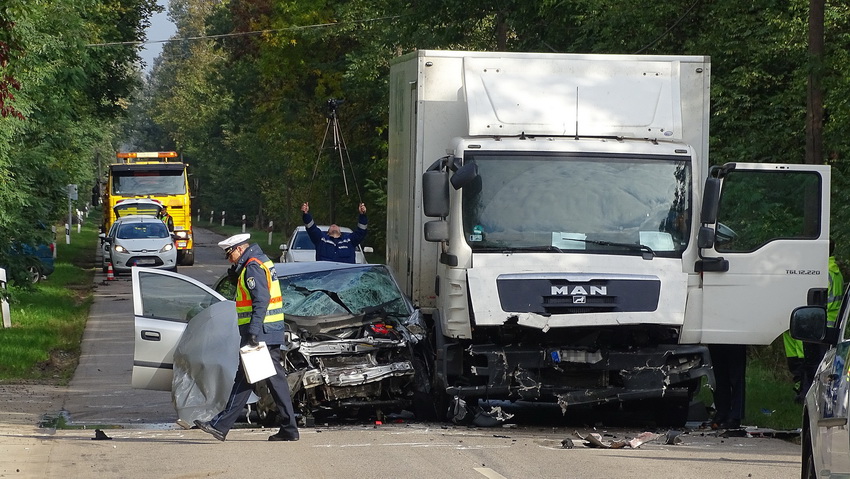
(576, 203)
(148, 183)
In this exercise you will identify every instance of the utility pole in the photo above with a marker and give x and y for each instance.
(814, 94)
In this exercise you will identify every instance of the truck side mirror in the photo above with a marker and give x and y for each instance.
(464, 175)
(705, 239)
(435, 193)
(437, 231)
(710, 201)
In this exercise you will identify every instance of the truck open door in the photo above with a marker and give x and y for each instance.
(764, 248)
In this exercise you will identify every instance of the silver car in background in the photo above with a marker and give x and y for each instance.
(138, 240)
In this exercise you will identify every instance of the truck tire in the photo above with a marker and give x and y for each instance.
(186, 257)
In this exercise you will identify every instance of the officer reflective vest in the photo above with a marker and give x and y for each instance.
(835, 291)
(243, 297)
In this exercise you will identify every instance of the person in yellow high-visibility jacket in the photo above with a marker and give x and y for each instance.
(259, 309)
(803, 358)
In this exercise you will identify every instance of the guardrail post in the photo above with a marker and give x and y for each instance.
(4, 305)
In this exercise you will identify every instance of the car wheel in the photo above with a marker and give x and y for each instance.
(808, 457)
(34, 273)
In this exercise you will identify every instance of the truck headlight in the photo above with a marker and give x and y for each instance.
(181, 234)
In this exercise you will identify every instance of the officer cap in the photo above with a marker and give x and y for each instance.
(234, 241)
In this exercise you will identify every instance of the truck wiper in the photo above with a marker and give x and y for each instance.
(647, 251)
(513, 249)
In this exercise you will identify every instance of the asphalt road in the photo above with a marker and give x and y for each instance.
(145, 443)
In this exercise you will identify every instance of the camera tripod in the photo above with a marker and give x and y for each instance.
(338, 145)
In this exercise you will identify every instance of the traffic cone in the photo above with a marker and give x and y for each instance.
(110, 275)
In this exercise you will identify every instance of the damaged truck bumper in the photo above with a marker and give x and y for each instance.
(575, 377)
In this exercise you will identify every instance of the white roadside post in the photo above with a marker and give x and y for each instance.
(212, 213)
(243, 223)
(222, 218)
(53, 229)
(72, 196)
(4, 305)
(271, 225)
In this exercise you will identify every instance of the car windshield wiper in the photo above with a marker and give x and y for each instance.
(382, 309)
(331, 294)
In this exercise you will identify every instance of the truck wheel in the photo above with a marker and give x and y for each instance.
(186, 257)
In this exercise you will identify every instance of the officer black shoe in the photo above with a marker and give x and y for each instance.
(207, 428)
(281, 436)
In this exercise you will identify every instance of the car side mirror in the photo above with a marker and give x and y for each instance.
(284, 247)
(808, 323)
(368, 249)
(101, 235)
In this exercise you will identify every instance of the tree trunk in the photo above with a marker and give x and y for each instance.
(814, 96)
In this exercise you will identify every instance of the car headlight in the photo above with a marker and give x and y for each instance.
(168, 247)
(120, 249)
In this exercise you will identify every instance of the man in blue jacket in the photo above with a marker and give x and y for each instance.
(333, 245)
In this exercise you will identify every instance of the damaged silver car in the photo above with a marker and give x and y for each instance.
(355, 341)
(355, 344)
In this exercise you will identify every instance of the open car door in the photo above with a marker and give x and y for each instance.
(186, 341)
(768, 254)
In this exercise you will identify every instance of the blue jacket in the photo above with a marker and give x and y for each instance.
(340, 249)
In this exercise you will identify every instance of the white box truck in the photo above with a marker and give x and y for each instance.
(556, 218)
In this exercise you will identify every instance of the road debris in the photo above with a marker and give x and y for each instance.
(100, 436)
(595, 440)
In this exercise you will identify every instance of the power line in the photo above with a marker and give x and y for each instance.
(253, 32)
(674, 25)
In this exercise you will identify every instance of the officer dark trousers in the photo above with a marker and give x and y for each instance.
(242, 389)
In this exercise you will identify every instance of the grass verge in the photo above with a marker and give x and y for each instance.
(48, 319)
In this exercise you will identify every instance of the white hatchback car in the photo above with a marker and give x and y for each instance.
(826, 432)
(300, 248)
(138, 240)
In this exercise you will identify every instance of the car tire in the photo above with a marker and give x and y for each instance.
(34, 274)
(808, 457)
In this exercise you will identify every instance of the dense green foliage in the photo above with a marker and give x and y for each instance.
(247, 103)
(60, 94)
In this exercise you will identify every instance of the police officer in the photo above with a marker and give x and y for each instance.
(333, 245)
(166, 218)
(260, 318)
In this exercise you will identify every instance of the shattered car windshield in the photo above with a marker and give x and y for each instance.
(352, 291)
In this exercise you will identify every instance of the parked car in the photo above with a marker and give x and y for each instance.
(138, 240)
(300, 248)
(826, 432)
(356, 345)
(35, 259)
